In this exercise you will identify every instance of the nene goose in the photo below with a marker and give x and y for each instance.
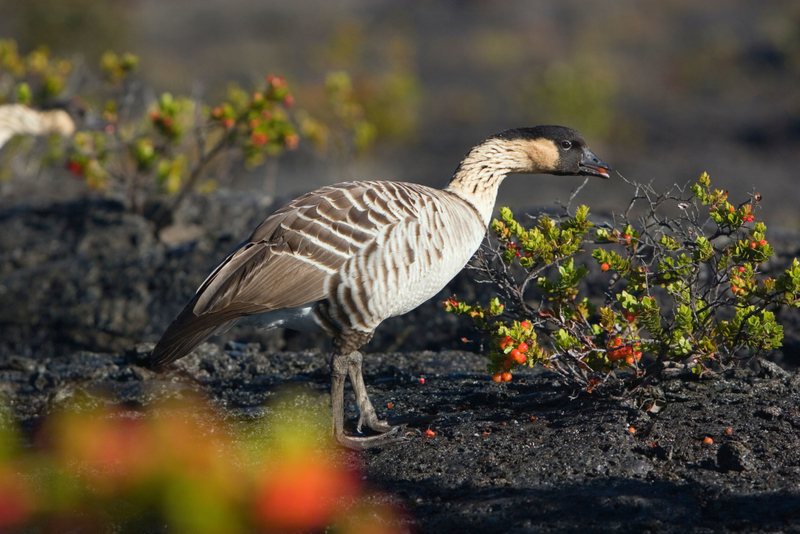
(343, 258)
(19, 119)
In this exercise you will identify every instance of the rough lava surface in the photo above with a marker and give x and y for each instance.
(86, 289)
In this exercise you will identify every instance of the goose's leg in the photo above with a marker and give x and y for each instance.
(338, 375)
(368, 416)
(340, 367)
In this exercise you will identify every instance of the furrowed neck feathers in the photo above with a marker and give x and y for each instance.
(480, 174)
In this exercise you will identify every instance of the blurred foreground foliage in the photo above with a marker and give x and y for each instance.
(102, 470)
(684, 289)
(135, 149)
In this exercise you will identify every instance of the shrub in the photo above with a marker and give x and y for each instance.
(686, 287)
(170, 149)
(136, 150)
(32, 79)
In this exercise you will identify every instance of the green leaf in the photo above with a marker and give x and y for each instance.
(683, 319)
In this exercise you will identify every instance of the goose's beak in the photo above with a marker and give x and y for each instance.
(591, 165)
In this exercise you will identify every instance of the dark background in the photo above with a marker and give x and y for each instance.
(663, 90)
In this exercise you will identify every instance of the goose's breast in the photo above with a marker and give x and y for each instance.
(413, 261)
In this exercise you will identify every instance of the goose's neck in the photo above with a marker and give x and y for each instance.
(480, 174)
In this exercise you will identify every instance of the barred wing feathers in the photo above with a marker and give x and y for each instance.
(288, 260)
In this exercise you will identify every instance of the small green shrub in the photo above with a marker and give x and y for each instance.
(683, 288)
(170, 149)
(137, 150)
(33, 78)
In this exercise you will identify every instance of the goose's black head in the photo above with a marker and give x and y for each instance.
(557, 150)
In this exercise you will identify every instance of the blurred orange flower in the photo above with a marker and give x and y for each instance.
(303, 492)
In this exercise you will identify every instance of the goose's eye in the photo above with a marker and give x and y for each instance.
(566, 145)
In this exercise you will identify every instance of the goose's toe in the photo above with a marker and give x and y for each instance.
(366, 442)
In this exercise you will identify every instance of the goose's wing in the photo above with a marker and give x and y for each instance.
(287, 262)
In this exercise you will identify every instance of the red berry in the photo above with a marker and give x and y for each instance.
(525, 324)
(497, 377)
(506, 376)
(217, 113)
(522, 359)
(390, 405)
(292, 140)
(753, 244)
(528, 255)
(228, 122)
(167, 121)
(631, 430)
(763, 242)
(605, 267)
(729, 431)
(258, 138)
(288, 101)
(742, 269)
(615, 352)
(430, 433)
(422, 380)
(507, 364)
(731, 209)
(276, 81)
(523, 347)
(514, 354)
(75, 168)
(708, 441)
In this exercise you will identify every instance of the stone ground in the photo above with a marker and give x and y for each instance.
(82, 285)
(527, 456)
